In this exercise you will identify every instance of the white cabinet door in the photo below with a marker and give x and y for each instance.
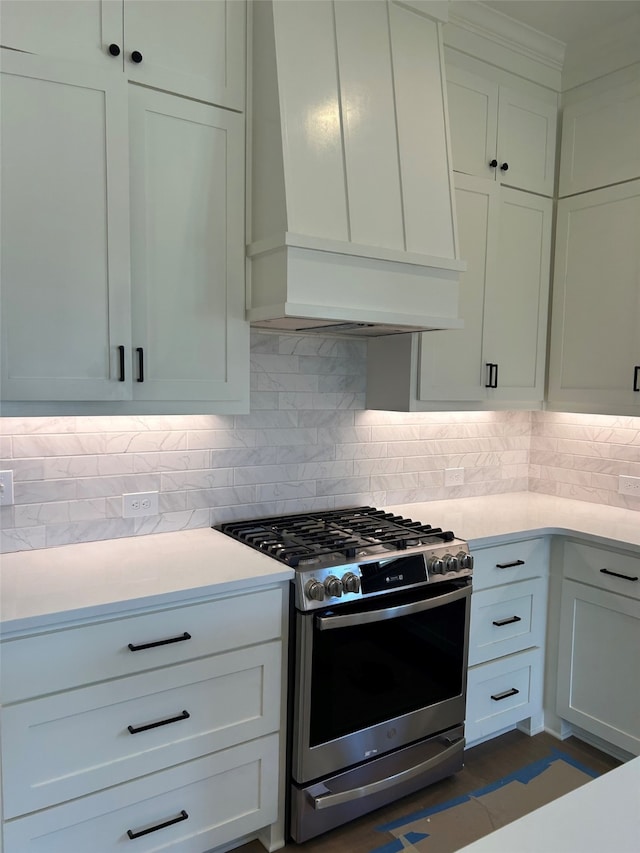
(595, 332)
(191, 47)
(526, 141)
(505, 238)
(473, 120)
(75, 30)
(499, 132)
(517, 298)
(450, 366)
(187, 245)
(65, 231)
(598, 664)
(601, 139)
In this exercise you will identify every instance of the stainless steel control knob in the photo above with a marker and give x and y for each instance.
(450, 563)
(333, 586)
(314, 590)
(465, 561)
(435, 565)
(350, 582)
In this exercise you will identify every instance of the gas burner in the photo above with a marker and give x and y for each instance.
(326, 537)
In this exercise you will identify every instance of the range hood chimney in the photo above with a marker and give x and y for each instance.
(352, 224)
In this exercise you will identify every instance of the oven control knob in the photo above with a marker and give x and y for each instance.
(450, 563)
(435, 565)
(314, 590)
(465, 561)
(351, 582)
(333, 586)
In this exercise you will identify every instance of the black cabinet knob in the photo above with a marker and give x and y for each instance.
(114, 50)
(504, 166)
(493, 163)
(136, 56)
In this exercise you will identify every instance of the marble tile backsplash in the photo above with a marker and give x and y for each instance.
(308, 443)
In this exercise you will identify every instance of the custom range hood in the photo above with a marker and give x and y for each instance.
(352, 225)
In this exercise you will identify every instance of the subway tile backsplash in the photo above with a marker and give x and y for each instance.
(308, 443)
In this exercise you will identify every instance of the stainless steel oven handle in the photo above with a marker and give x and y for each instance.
(326, 801)
(326, 623)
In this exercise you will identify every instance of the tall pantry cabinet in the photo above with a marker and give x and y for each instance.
(595, 331)
(123, 207)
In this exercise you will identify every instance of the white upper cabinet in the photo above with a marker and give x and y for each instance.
(500, 354)
(498, 358)
(187, 223)
(65, 232)
(190, 47)
(501, 133)
(123, 251)
(600, 135)
(595, 331)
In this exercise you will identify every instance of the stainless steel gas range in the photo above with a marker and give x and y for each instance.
(379, 644)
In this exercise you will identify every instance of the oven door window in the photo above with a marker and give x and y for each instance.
(368, 673)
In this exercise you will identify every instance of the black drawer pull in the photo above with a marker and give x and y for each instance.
(636, 378)
(134, 730)
(182, 816)
(509, 565)
(618, 575)
(509, 621)
(142, 646)
(498, 696)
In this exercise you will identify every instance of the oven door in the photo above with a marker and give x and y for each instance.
(374, 676)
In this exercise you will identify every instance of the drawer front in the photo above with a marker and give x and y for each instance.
(510, 562)
(48, 663)
(190, 808)
(503, 692)
(585, 563)
(506, 619)
(70, 744)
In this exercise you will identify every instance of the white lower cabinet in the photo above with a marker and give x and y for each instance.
(158, 743)
(599, 645)
(507, 637)
(502, 693)
(189, 808)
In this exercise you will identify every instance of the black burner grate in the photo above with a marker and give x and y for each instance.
(292, 538)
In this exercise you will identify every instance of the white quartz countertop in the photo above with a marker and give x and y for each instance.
(55, 585)
(602, 815)
(481, 521)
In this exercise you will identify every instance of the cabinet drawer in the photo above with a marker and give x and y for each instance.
(48, 663)
(506, 619)
(73, 743)
(513, 561)
(585, 563)
(503, 692)
(212, 800)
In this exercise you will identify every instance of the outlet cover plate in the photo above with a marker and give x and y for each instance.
(6, 488)
(137, 504)
(454, 476)
(629, 486)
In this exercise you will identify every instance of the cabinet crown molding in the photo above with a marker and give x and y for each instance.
(480, 20)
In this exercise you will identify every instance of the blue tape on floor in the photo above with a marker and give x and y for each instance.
(524, 775)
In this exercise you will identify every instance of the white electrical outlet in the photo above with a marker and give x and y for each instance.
(6, 488)
(139, 503)
(454, 476)
(629, 486)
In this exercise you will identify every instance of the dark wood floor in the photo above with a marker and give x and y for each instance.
(483, 764)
